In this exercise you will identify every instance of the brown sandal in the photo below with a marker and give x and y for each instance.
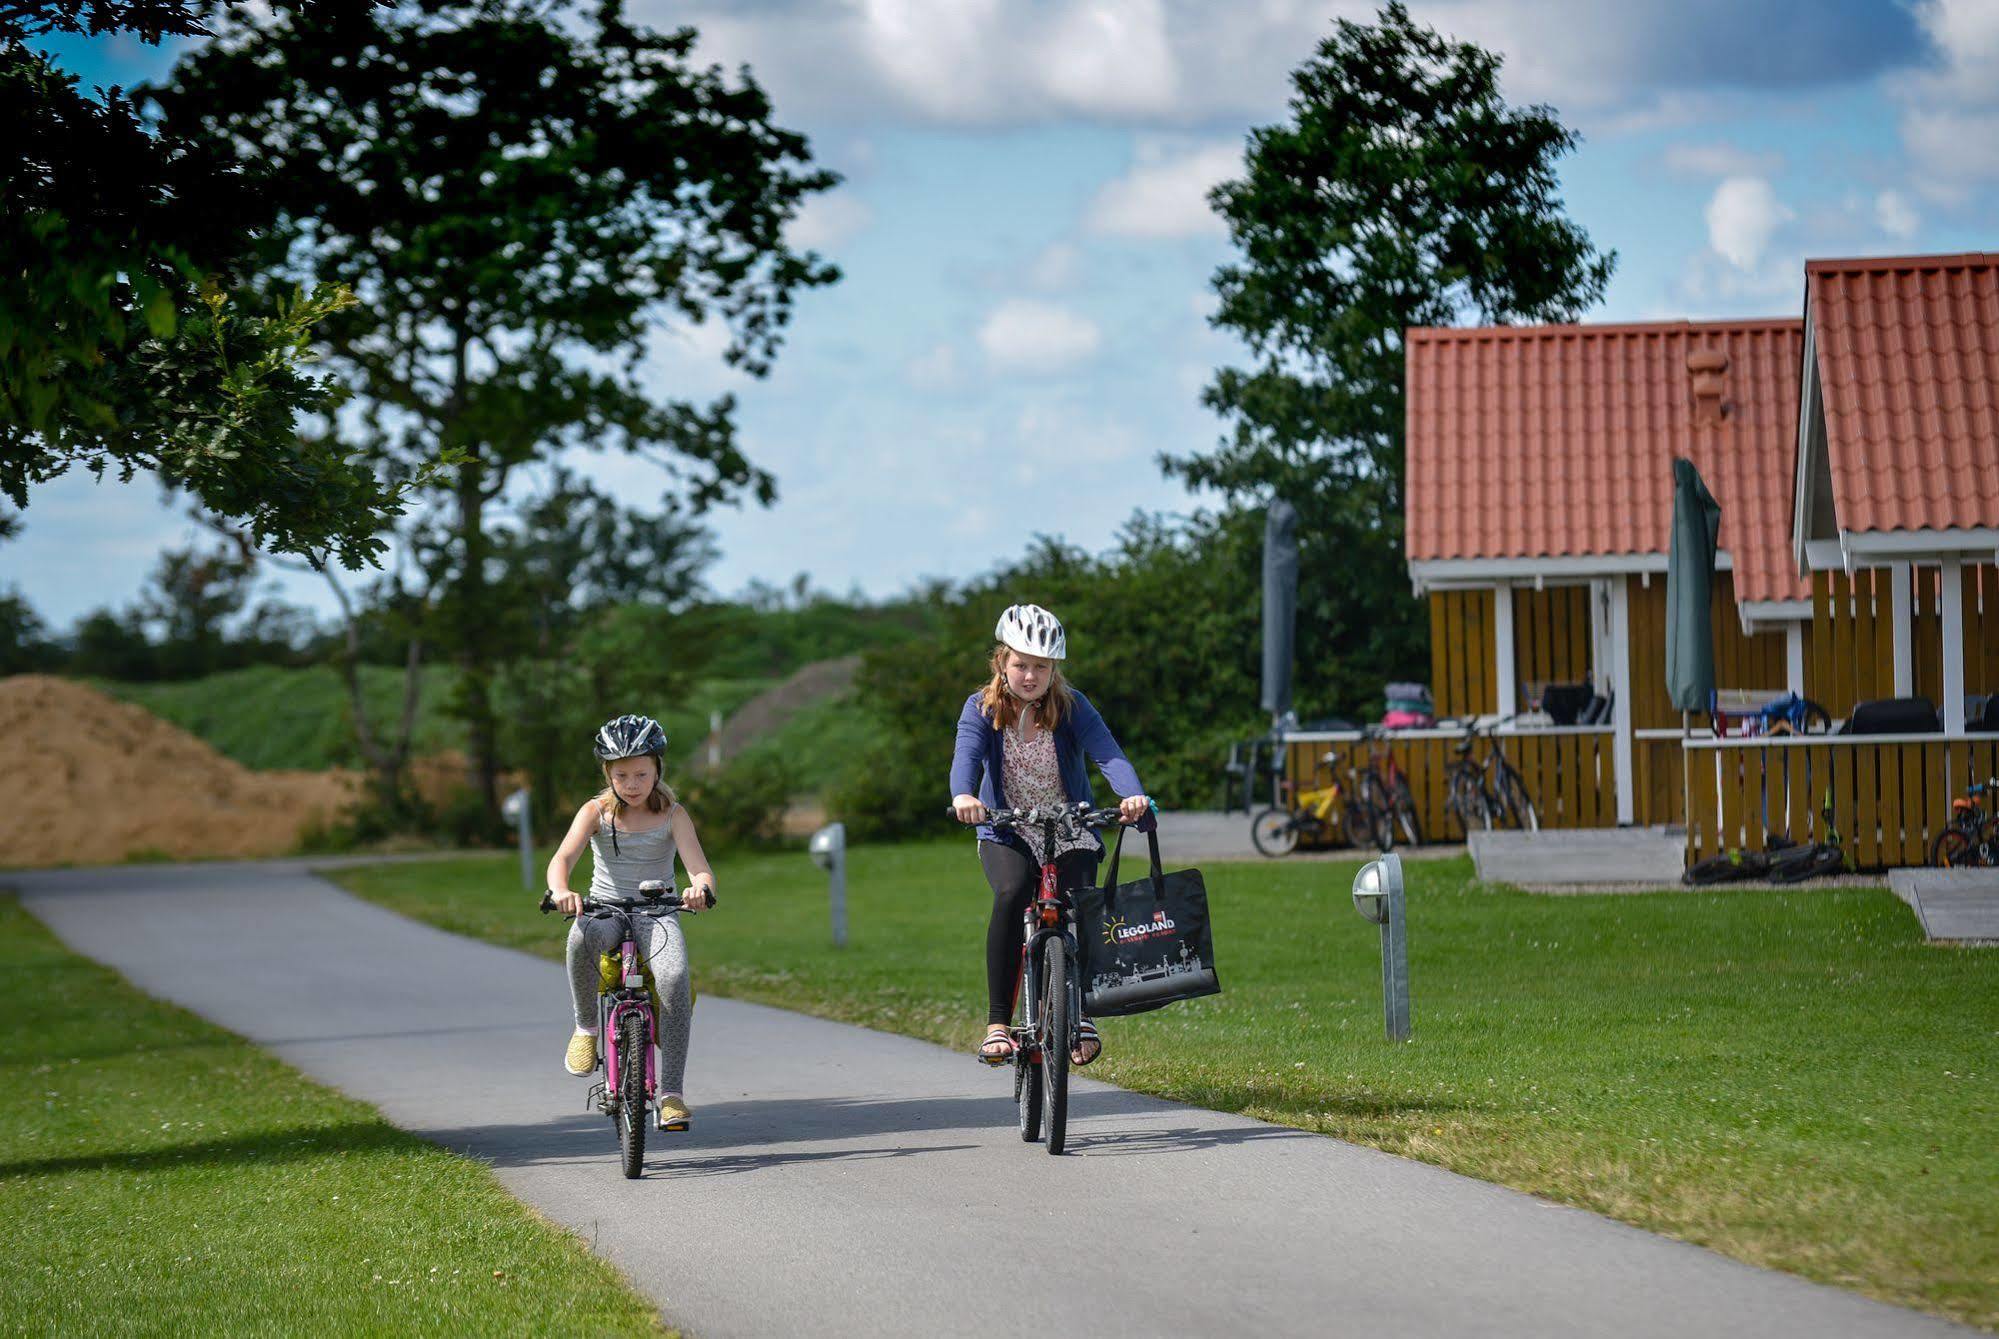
(1088, 1044)
(997, 1048)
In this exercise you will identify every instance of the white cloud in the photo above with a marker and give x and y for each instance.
(989, 60)
(1057, 436)
(935, 370)
(1950, 110)
(828, 220)
(1741, 218)
(1166, 194)
(1721, 160)
(1025, 335)
(1056, 269)
(1897, 217)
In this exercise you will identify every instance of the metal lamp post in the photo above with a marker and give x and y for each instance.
(1377, 896)
(515, 810)
(829, 852)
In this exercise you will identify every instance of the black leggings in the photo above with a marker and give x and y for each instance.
(1015, 879)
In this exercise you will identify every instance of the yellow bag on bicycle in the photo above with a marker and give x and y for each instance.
(607, 981)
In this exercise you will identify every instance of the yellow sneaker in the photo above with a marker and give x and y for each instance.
(582, 1055)
(674, 1117)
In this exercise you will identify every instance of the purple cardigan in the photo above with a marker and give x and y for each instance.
(977, 762)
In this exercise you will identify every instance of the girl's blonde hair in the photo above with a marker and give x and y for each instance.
(1002, 708)
(613, 806)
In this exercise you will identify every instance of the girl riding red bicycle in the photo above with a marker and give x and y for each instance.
(1025, 740)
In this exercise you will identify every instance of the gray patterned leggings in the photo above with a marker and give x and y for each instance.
(665, 951)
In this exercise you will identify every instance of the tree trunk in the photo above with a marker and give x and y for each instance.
(475, 660)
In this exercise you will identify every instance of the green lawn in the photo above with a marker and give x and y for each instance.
(1792, 1077)
(161, 1176)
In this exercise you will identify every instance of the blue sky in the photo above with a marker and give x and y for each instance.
(1022, 329)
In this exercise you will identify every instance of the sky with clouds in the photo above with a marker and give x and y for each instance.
(1022, 326)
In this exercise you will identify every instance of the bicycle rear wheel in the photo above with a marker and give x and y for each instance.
(1273, 833)
(1517, 804)
(632, 1043)
(1953, 849)
(1058, 1021)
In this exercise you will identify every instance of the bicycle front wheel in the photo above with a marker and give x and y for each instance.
(1058, 1019)
(1405, 813)
(1027, 1070)
(1273, 833)
(632, 1043)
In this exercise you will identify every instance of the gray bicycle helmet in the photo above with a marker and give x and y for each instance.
(1032, 631)
(629, 737)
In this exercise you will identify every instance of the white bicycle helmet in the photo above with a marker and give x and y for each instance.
(1032, 631)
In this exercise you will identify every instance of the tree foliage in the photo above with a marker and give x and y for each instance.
(128, 339)
(1402, 191)
(517, 193)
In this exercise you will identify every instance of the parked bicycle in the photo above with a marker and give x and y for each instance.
(627, 1022)
(1389, 791)
(1972, 839)
(1050, 997)
(1316, 814)
(1486, 791)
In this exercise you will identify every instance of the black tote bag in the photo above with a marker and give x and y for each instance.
(1146, 943)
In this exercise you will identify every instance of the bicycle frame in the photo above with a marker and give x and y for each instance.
(1050, 916)
(612, 1009)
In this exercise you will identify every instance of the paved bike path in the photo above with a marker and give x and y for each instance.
(846, 1182)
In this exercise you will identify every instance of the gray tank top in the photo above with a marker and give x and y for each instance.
(636, 856)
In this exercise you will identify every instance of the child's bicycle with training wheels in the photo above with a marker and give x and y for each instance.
(1316, 812)
(1050, 995)
(627, 1027)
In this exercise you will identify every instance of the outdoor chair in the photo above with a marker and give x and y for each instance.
(1893, 716)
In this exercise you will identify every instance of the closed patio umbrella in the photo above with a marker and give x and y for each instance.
(1689, 581)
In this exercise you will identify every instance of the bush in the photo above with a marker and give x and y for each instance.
(742, 805)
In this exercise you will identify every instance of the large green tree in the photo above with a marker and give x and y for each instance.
(128, 337)
(517, 192)
(1402, 191)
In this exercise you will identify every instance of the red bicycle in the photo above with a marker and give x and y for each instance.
(1050, 994)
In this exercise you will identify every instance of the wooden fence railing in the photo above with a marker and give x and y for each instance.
(1890, 794)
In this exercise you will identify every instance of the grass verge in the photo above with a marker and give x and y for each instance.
(1791, 1077)
(161, 1176)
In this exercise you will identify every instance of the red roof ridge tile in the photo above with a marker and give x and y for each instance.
(1878, 264)
(1579, 329)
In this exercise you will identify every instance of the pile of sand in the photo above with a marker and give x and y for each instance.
(86, 779)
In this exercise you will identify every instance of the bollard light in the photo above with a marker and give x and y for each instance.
(828, 849)
(515, 810)
(1377, 896)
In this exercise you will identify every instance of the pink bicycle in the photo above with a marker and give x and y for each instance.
(626, 1024)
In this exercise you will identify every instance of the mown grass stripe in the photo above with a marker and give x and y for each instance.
(159, 1175)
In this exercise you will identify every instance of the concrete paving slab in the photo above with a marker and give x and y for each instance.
(1954, 906)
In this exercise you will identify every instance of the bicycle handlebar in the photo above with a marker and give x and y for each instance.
(652, 893)
(1072, 816)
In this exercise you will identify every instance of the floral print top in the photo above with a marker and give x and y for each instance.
(1033, 778)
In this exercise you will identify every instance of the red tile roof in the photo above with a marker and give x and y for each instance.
(1908, 357)
(1558, 441)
